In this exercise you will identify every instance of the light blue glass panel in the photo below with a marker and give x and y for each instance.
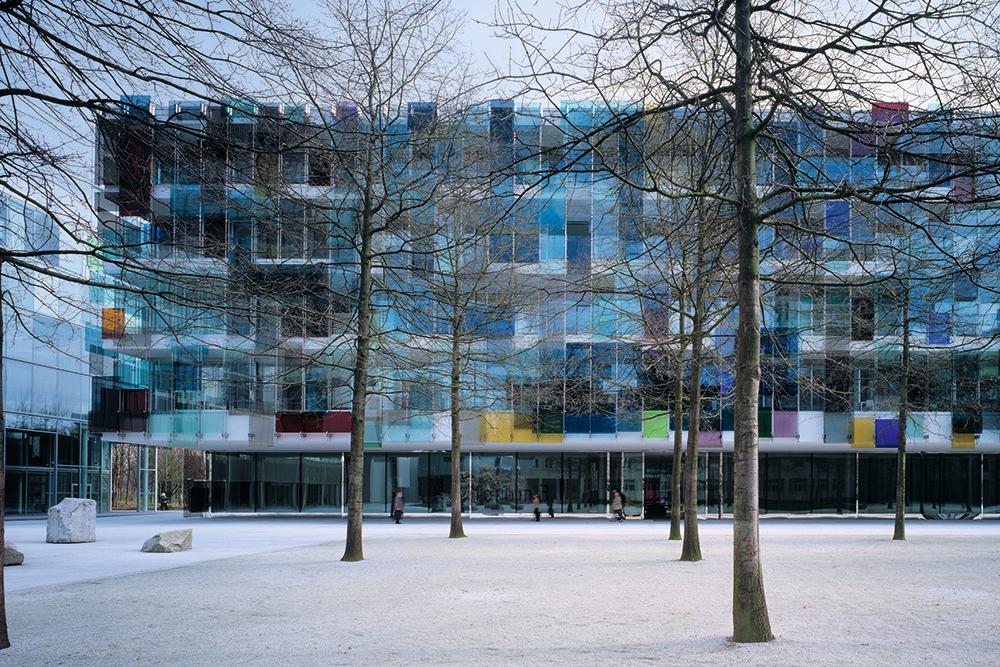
(213, 421)
(161, 422)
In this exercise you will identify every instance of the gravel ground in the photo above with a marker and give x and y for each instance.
(516, 592)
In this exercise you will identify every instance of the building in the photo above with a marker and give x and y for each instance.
(231, 192)
(50, 346)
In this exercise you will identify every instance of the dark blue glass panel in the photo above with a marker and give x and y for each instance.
(838, 218)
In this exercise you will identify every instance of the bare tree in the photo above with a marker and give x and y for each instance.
(67, 66)
(764, 63)
(373, 59)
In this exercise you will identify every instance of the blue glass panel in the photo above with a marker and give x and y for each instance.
(577, 423)
(602, 423)
(838, 218)
(939, 328)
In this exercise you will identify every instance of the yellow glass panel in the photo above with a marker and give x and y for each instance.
(496, 427)
(550, 438)
(523, 431)
(963, 441)
(863, 432)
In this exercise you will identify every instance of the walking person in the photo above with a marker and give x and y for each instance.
(552, 509)
(617, 505)
(398, 503)
(536, 506)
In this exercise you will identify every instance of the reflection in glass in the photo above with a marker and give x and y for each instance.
(278, 480)
(540, 474)
(321, 483)
(408, 473)
(585, 479)
(493, 478)
(36, 492)
(239, 491)
(14, 492)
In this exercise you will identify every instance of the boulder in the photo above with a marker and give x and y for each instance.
(11, 556)
(169, 542)
(73, 520)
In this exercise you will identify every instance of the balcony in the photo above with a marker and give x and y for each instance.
(313, 422)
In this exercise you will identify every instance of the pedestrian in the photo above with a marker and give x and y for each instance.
(617, 505)
(536, 506)
(552, 508)
(163, 502)
(398, 503)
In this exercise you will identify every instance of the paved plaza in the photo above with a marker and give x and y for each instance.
(264, 590)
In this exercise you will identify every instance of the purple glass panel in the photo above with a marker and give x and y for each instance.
(786, 424)
(710, 439)
(890, 113)
(886, 432)
(963, 189)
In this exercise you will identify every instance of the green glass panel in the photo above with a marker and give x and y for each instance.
(764, 423)
(914, 426)
(655, 423)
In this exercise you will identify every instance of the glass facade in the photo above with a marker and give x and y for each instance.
(49, 351)
(582, 369)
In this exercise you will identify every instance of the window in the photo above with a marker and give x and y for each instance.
(501, 248)
(862, 316)
(838, 218)
(838, 321)
(578, 244)
(526, 247)
(837, 144)
(320, 166)
(294, 167)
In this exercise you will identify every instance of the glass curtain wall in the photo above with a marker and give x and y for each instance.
(502, 483)
(322, 485)
(585, 479)
(44, 467)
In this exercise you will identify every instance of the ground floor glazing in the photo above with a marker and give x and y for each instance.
(581, 483)
(44, 466)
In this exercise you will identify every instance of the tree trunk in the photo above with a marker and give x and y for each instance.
(675, 474)
(691, 549)
(4, 635)
(353, 549)
(456, 429)
(899, 527)
(750, 619)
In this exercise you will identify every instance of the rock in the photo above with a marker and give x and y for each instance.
(11, 556)
(169, 542)
(72, 520)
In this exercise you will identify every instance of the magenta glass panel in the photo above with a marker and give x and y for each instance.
(786, 424)
(710, 438)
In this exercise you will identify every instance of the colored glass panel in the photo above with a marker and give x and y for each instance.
(112, 322)
(764, 425)
(496, 427)
(785, 424)
(863, 432)
(655, 423)
(886, 432)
